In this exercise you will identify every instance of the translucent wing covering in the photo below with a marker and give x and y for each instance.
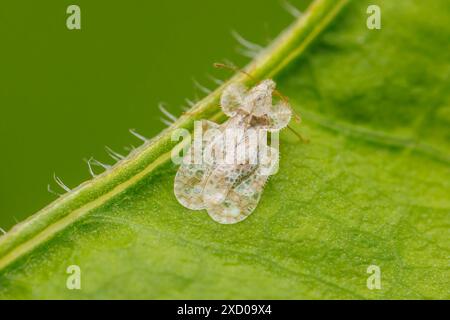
(243, 197)
(279, 116)
(222, 179)
(232, 98)
(231, 192)
(191, 177)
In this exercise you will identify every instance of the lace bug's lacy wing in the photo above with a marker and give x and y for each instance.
(279, 116)
(232, 98)
(221, 181)
(191, 177)
(242, 198)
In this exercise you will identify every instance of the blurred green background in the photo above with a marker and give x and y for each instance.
(65, 94)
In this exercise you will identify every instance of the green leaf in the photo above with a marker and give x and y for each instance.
(371, 188)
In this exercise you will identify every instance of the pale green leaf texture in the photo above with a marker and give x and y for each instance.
(371, 188)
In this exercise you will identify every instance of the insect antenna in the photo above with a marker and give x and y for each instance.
(302, 139)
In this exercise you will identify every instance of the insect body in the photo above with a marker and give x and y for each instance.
(230, 191)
